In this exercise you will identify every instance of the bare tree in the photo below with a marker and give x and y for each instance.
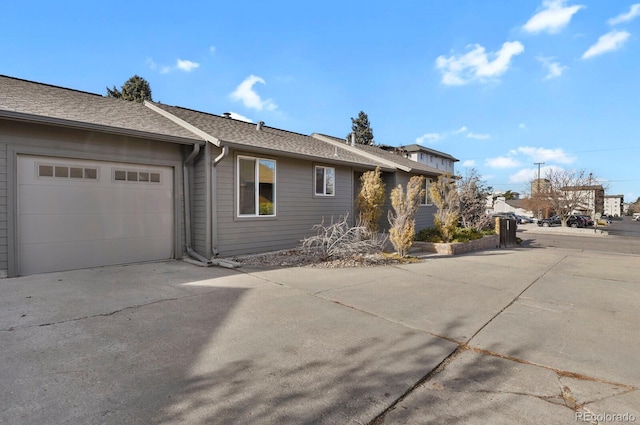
(473, 201)
(569, 191)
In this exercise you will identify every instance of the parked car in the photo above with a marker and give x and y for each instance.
(551, 221)
(523, 219)
(576, 221)
(588, 220)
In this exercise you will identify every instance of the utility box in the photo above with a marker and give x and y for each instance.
(506, 229)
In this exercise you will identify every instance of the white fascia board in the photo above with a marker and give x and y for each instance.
(362, 153)
(182, 123)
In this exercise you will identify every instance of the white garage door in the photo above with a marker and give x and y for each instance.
(75, 214)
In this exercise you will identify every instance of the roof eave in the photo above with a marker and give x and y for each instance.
(59, 122)
(182, 123)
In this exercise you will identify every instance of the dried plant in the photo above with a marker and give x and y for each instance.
(371, 199)
(339, 239)
(445, 196)
(402, 218)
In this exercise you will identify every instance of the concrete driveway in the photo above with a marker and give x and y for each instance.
(527, 335)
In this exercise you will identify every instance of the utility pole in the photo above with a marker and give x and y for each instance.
(538, 191)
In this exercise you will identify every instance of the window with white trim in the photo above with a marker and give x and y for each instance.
(325, 181)
(256, 187)
(426, 199)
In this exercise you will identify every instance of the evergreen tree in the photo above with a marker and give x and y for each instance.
(135, 89)
(362, 129)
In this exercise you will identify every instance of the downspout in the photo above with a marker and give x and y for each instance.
(214, 195)
(187, 206)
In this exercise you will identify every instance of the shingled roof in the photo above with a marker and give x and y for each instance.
(241, 134)
(36, 102)
(401, 162)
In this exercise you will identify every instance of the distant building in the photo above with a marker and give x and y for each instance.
(539, 185)
(592, 199)
(430, 157)
(613, 205)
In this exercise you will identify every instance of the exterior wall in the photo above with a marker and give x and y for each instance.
(18, 138)
(297, 208)
(435, 161)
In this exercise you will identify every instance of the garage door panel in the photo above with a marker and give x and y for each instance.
(75, 255)
(39, 200)
(91, 222)
(83, 227)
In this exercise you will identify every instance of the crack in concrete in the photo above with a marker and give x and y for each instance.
(106, 314)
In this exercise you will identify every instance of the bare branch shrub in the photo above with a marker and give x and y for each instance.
(339, 239)
(402, 218)
(445, 196)
(473, 202)
(371, 199)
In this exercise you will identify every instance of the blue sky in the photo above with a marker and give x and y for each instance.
(499, 84)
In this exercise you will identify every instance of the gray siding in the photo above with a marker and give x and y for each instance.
(3, 210)
(198, 210)
(297, 209)
(20, 138)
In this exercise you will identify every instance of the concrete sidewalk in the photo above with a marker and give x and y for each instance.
(503, 336)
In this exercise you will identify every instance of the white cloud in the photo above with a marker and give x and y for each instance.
(554, 69)
(607, 43)
(476, 64)
(552, 18)
(502, 162)
(633, 13)
(469, 163)
(239, 117)
(249, 98)
(460, 130)
(478, 136)
(546, 155)
(522, 126)
(432, 137)
(186, 65)
(183, 65)
(526, 175)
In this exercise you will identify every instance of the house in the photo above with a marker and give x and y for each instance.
(613, 205)
(432, 158)
(87, 180)
(402, 169)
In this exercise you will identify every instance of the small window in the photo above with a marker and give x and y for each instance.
(45, 170)
(325, 181)
(136, 176)
(76, 173)
(66, 172)
(256, 186)
(62, 172)
(91, 173)
(426, 200)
